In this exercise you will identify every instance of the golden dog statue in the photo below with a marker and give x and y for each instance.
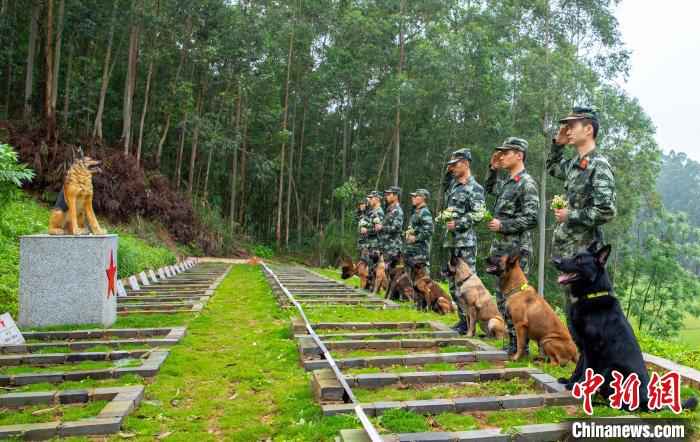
(74, 203)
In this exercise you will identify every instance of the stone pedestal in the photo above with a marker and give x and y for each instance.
(66, 280)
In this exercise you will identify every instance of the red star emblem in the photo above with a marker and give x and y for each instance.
(517, 178)
(583, 164)
(111, 273)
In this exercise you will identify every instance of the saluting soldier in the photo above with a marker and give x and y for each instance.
(589, 185)
(391, 230)
(419, 232)
(514, 214)
(465, 198)
(362, 221)
(376, 218)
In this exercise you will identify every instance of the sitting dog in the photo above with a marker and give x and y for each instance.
(400, 287)
(380, 277)
(350, 269)
(532, 316)
(479, 303)
(603, 334)
(74, 203)
(431, 294)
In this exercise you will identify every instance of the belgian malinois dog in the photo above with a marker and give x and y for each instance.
(350, 269)
(532, 316)
(479, 303)
(430, 294)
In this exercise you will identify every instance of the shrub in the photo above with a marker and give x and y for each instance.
(262, 251)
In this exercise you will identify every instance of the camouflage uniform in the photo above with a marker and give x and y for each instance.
(391, 235)
(362, 239)
(468, 202)
(422, 224)
(517, 207)
(374, 246)
(589, 186)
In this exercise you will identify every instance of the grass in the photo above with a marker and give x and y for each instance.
(87, 365)
(447, 391)
(49, 413)
(690, 334)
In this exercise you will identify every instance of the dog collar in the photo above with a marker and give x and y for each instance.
(595, 295)
(516, 289)
(464, 280)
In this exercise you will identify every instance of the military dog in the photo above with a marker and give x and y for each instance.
(400, 286)
(381, 279)
(350, 269)
(532, 316)
(430, 294)
(74, 203)
(479, 303)
(602, 333)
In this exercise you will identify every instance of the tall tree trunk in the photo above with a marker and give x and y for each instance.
(244, 158)
(143, 113)
(397, 151)
(278, 228)
(195, 141)
(49, 109)
(31, 55)
(234, 166)
(161, 142)
(178, 165)
(300, 224)
(130, 82)
(10, 66)
(57, 58)
(66, 87)
(206, 174)
(345, 162)
(106, 71)
(290, 172)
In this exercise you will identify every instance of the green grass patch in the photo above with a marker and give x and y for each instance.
(50, 413)
(447, 391)
(80, 366)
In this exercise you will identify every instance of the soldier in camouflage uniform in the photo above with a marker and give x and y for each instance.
(362, 222)
(466, 198)
(514, 214)
(375, 214)
(391, 230)
(419, 232)
(589, 185)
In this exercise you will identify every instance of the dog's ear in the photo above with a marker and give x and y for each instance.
(514, 256)
(603, 254)
(452, 264)
(594, 247)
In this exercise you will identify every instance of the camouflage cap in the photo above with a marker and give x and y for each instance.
(421, 192)
(513, 143)
(459, 155)
(396, 190)
(580, 113)
(374, 194)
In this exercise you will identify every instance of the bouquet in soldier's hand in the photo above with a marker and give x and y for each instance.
(446, 215)
(409, 232)
(364, 223)
(559, 202)
(376, 220)
(487, 216)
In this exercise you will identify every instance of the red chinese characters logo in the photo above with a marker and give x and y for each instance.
(662, 391)
(587, 388)
(665, 391)
(626, 391)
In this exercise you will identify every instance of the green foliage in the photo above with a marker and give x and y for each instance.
(12, 174)
(135, 255)
(401, 421)
(263, 251)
